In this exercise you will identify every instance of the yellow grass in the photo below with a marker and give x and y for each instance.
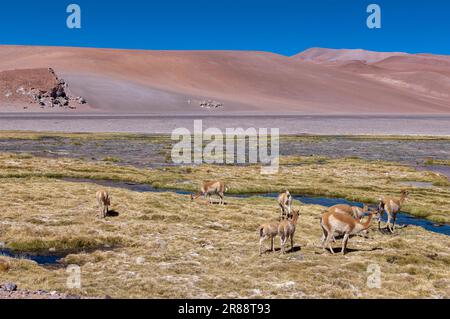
(169, 247)
(163, 246)
(353, 179)
(437, 162)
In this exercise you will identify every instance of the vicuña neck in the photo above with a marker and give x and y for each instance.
(402, 199)
(367, 223)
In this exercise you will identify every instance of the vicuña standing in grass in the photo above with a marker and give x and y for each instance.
(268, 231)
(104, 201)
(212, 188)
(392, 207)
(285, 202)
(286, 231)
(354, 211)
(344, 224)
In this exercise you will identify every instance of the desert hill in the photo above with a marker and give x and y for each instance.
(322, 55)
(181, 82)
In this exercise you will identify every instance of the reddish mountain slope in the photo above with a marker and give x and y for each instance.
(176, 82)
(321, 55)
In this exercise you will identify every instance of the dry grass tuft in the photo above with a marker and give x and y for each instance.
(172, 248)
(4, 265)
(353, 179)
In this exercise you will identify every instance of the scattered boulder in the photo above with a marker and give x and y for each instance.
(10, 291)
(81, 100)
(9, 287)
(209, 104)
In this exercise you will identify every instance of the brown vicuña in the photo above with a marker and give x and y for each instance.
(210, 188)
(392, 207)
(286, 231)
(353, 211)
(285, 202)
(344, 224)
(268, 231)
(104, 201)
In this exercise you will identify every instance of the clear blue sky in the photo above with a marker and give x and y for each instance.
(282, 26)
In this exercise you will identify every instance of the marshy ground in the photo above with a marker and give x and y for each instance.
(161, 245)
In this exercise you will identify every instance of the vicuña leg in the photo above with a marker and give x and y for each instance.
(261, 245)
(344, 243)
(395, 220)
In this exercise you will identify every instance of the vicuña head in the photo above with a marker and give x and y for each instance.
(374, 214)
(295, 215)
(404, 194)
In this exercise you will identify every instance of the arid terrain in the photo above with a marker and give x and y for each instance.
(420, 125)
(355, 126)
(318, 81)
(156, 243)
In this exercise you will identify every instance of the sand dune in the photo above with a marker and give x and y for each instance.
(175, 82)
(424, 75)
(322, 55)
(410, 63)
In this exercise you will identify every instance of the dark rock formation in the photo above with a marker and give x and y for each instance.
(37, 86)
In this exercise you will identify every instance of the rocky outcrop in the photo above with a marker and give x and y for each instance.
(9, 287)
(210, 104)
(41, 87)
(11, 291)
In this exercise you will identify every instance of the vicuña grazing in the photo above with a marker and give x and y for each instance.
(104, 201)
(344, 224)
(268, 231)
(354, 211)
(285, 202)
(286, 230)
(392, 207)
(212, 188)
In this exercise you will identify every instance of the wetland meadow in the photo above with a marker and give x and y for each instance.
(156, 243)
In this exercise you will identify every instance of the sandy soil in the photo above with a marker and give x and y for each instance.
(176, 81)
(321, 55)
(153, 124)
